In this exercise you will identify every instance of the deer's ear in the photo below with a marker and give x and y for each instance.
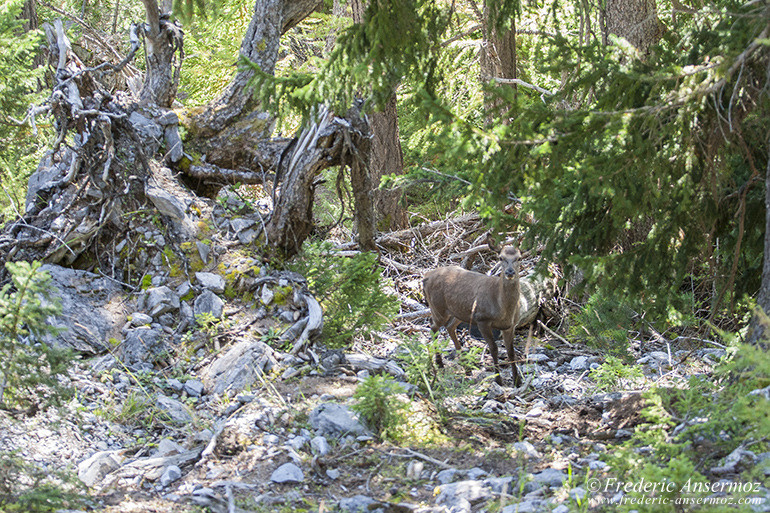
(493, 245)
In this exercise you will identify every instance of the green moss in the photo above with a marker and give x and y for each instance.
(146, 282)
(282, 294)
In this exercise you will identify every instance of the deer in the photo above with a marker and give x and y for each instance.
(457, 295)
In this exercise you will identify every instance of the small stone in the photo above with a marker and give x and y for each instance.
(538, 358)
(175, 384)
(213, 282)
(356, 504)
(320, 445)
(176, 411)
(140, 319)
(171, 474)
(267, 295)
(168, 447)
(204, 250)
(527, 448)
(578, 363)
(193, 387)
(333, 474)
(93, 469)
(414, 469)
(208, 302)
(335, 420)
(298, 442)
(287, 473)
(446, 475)
(161, 300)
(183, 289)
(476, 473)
(271, 439)
(578, 493)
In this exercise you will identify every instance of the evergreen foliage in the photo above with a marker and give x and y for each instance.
(640, 171)
(27, 488)
(350, 290)
(379, 405)
(19, 150)
(25, 306)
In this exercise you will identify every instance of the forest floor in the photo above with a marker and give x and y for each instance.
(468, 443)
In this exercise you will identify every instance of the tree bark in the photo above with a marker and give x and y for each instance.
(498, 56)
(759, 328)
(634, 20)
(386, 155)
(327, 142)
(163, 40)
(271, 19)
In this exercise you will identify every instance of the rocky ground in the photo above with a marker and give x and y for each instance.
(247, 412)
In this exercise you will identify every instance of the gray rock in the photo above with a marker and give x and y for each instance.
(561, 508)
(247, 236)
(320, 445)
(476, 473)
(168, 205)
(240, 223)
(171, 474)
(211, 281)
(92, 470)
(738, 460)
(161, 300)
(549, 477)
(193, 387)
(287, 473)
(538, 358)
(356, 504)
(578, 363)
(93, 310)
(175, 384)
(527, 506)
(204, 250)
(298, 442)
(47, 173)
(148, 131)
(183, 289)
(333, 419)
(500, 485)
(140, 319)
(333, 474)
(168, 447)
(527, 448)
(447, 475)
(186, 313)
(208, 302)
(239, 367)
(267, 295)
(578, 493)
(176, 411)
(141, 345)
(173, 143)
(460, 496)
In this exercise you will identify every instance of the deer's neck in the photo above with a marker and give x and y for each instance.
(508, 295)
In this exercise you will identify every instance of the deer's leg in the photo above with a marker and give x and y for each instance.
(451, 328)
(508, 338)
(486, 331)
(435, 326)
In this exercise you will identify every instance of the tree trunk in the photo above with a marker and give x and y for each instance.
(327, 142)
(386, 156)
(271, 19)
(163, 40)
(498, 56)
(759, 328)
(634, 20)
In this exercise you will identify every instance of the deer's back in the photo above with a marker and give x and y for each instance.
(460, 293)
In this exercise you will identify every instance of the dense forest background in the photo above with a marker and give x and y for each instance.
(623, 144)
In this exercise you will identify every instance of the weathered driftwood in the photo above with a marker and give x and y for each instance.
(402, 238)
(360, 361)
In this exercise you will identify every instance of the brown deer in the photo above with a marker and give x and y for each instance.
(457, 295)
